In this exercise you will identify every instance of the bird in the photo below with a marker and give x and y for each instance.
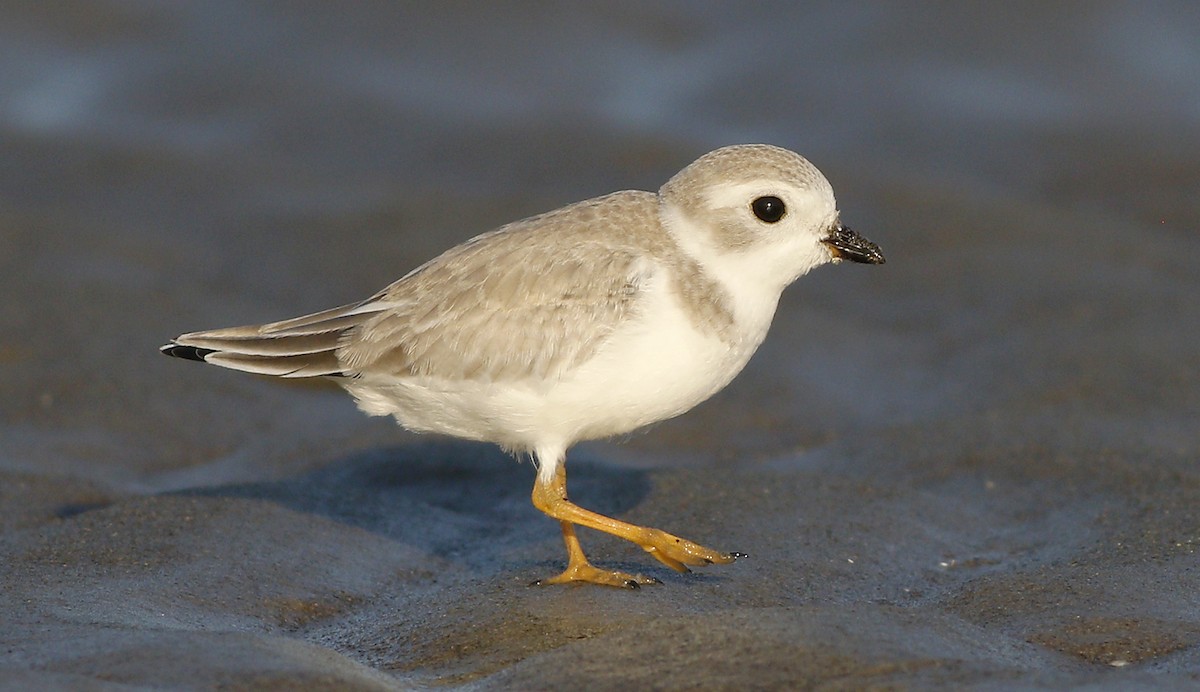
(586, 322)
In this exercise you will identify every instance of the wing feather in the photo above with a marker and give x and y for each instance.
(530, 300)
(300, 347)
(528, 313)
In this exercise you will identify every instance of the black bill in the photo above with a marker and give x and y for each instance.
(845, 244)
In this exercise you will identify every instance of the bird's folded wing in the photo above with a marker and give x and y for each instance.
(500, 308)
(530, 300)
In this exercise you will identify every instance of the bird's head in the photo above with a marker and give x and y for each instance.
(764, 209)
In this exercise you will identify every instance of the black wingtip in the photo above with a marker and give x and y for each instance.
(186, 352)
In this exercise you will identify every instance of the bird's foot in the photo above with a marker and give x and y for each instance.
(585, 573)
(550, 496)
(677, 553)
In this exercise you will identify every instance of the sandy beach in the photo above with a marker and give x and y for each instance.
(975, 467)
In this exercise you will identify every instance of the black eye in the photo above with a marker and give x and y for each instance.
(769, 209)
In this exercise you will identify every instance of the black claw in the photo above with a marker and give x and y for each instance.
(655, 580)
(631, 584)
(536, 582)
(738, 556)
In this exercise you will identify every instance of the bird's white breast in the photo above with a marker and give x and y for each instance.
(656, 365)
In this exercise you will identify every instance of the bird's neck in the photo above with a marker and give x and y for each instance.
(752, 278)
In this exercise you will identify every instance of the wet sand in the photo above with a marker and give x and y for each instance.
(972, 467)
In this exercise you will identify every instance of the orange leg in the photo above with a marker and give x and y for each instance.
(580, 570)
(672, 551)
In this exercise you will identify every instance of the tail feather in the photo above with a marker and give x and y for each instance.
(300, 347)
(337, 319)
(186, 352)
(262, 345)
(307, 365)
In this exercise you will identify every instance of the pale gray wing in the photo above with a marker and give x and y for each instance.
(508, 306)
(532, 299)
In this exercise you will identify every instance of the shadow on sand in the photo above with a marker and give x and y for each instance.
(442, 496)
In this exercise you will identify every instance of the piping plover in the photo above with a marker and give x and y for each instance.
(585, 322)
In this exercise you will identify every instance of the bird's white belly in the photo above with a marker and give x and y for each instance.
(655, 366)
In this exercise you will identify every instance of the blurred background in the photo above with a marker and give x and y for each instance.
(1031, 170)
(166, 167)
